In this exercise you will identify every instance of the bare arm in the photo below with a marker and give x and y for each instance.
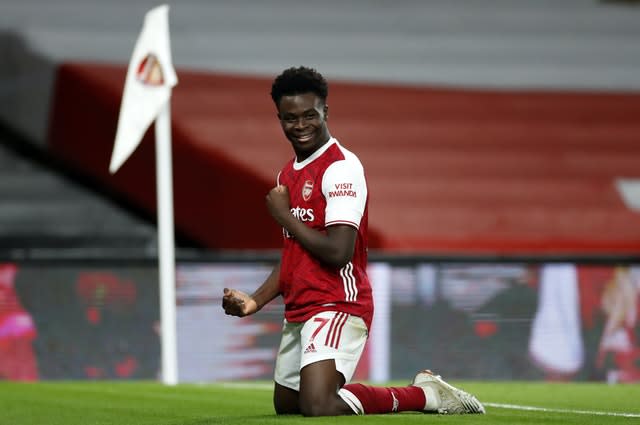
(334, 248)
(238, 303)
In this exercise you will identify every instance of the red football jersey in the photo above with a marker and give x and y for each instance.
(325, 189)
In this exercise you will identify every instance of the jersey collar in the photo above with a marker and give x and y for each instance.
(300, 165)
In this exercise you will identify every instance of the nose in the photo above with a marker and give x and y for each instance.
(300, 123)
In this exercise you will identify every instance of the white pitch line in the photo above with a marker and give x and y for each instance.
(544, 409)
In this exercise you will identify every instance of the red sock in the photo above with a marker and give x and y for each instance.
(388, 399)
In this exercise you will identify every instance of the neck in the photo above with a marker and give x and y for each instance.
(302, 155)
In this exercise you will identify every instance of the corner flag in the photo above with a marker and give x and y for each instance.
(147, 89)
(147, 92)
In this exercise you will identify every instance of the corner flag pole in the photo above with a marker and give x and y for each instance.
(166, 246)
(146, 97)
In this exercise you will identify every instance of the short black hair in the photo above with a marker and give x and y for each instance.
(299, 80)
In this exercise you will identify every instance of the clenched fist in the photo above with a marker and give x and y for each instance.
(278, 204)
(237, 303)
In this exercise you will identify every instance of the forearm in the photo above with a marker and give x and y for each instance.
(269, 290)
(334, 248)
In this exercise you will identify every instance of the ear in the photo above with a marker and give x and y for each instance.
(325, 109)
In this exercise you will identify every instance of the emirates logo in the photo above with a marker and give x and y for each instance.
(149, 71)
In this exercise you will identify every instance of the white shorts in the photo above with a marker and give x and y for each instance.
(327, 335)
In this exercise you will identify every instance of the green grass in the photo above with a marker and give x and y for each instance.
(141, 403)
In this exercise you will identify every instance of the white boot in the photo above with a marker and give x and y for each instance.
(444, 398)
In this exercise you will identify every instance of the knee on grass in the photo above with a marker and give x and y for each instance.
(325, 408)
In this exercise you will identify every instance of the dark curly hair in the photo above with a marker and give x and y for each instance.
(299, 80)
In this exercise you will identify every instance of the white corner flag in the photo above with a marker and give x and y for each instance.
(147, 89)
(146, 97)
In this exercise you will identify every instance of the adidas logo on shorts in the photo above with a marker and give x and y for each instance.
(310, 349)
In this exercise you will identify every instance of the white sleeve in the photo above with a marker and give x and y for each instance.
(345, 189)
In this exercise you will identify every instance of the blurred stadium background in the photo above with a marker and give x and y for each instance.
(501, 141)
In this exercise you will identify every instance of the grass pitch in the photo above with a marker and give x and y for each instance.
(146, 403)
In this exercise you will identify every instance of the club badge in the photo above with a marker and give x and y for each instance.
(149, 71)
(307, 188)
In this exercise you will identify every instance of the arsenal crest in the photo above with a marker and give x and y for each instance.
(307, 189)
(149, 71)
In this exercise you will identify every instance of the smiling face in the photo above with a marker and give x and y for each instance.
(304, 121)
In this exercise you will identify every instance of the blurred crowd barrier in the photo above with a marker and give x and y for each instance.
(480, 320)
